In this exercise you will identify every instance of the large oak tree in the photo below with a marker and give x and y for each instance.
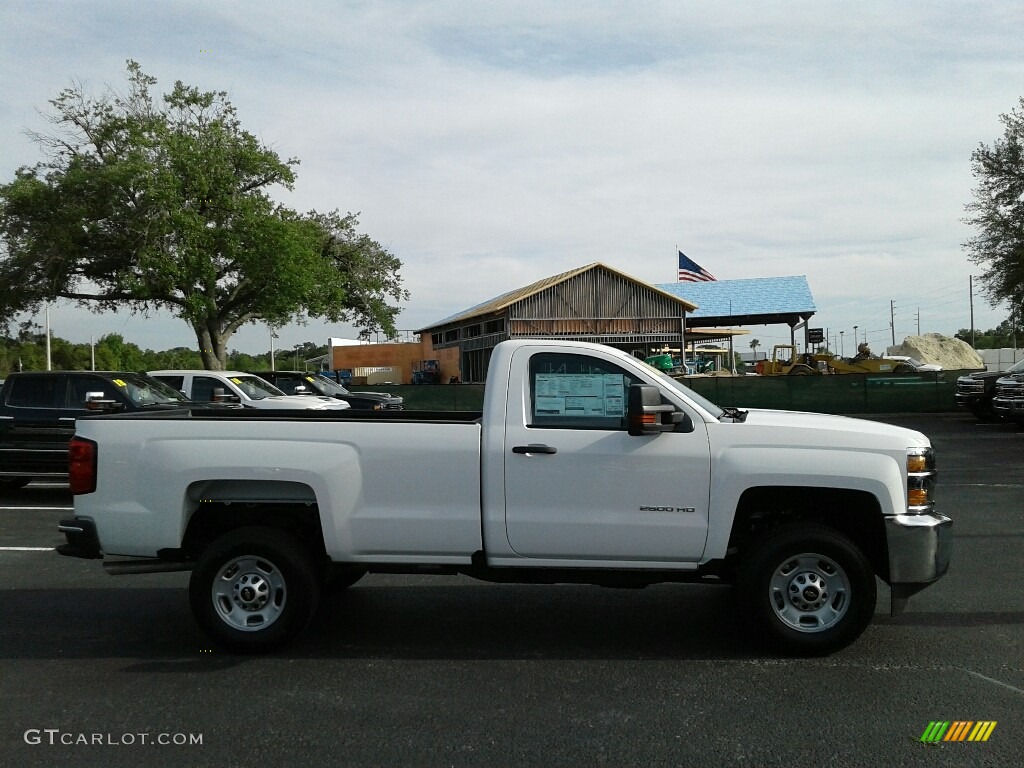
(145, 203)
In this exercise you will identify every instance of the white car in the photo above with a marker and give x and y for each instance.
(925, 367)
(244, 388)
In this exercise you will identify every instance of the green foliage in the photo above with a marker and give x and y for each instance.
(997, 212)
(164, 203)
(28, 352)
(1007, 334)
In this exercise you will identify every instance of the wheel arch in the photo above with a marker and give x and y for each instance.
(856, 514)
(215, 507)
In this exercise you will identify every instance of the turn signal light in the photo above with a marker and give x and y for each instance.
(917, 497)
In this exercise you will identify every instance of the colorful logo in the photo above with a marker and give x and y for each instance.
(958, 730)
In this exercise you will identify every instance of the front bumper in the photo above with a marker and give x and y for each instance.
(1011, 408)
(968, 399)
(919, 550)
(83, 541)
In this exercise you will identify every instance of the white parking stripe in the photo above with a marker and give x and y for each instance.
(26, 549)
(63, 509)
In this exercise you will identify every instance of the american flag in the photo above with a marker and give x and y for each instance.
(692, 272)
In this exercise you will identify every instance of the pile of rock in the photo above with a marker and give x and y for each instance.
(951, 353)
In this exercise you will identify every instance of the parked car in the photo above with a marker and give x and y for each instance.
(300, 383)
(242, 388)
(1008, 400)
(916, 364)
(38, 410)
(976, 391)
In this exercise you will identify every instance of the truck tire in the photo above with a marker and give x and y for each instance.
(807, 588)
(254, 589)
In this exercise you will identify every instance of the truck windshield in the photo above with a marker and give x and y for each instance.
(255, 387)
(145, 391)
(324, 386)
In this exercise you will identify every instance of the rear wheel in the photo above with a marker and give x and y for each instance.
(254, 589)
(808, 589)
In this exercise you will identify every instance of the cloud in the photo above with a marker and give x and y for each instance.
(492, 144)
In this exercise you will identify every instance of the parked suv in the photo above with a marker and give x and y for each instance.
(976, 391)
(1008, 400)
(297, 382)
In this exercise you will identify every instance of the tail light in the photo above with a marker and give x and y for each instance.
(82, 465)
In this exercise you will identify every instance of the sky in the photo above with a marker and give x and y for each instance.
(492, 144)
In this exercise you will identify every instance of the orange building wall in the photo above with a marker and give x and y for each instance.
(402, 355)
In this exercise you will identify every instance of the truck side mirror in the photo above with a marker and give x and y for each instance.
(95, 401)
(220, 396)
(645, 413)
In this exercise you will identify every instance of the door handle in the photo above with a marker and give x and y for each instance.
(534, 448)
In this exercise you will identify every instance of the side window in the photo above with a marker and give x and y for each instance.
(570, 391)
(80, 385)
(37, 392)
(285, 384)
(177, 383)
(203, 386)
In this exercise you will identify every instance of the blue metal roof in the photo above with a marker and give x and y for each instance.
(752, 296)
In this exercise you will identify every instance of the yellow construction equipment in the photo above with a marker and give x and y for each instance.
(786, 361)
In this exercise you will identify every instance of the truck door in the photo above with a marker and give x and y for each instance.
(578, 487)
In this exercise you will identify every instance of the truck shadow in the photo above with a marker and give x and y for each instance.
(449, 620)
(456, 620)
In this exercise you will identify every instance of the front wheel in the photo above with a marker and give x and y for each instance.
(254, 589)
(808, 589)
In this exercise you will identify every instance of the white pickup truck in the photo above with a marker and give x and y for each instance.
(585, 466)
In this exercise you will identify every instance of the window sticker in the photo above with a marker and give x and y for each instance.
(119, 382)
(236, 380)
(310, 378)
(580, 394)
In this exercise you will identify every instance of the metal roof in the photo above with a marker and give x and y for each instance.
(757, 296)
(505, 300)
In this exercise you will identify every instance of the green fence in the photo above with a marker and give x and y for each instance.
(845, 393)
(842, 393)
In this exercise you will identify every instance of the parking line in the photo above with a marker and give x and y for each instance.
(991, 680)
(63, 509)
(26, 549)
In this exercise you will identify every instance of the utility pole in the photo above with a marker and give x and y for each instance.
(918, 321)
(892, 320)
(970, 291)
(49, 367)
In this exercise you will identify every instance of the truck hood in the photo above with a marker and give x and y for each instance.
(826, 430)
(303, 402)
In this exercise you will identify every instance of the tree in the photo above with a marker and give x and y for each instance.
(997, 212)
(754, 344)
(1005, 334)
(152, 203)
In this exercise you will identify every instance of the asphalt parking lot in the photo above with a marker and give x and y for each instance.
(418, 671)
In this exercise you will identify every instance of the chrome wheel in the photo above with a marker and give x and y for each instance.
(249, 593)
(809, 592)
